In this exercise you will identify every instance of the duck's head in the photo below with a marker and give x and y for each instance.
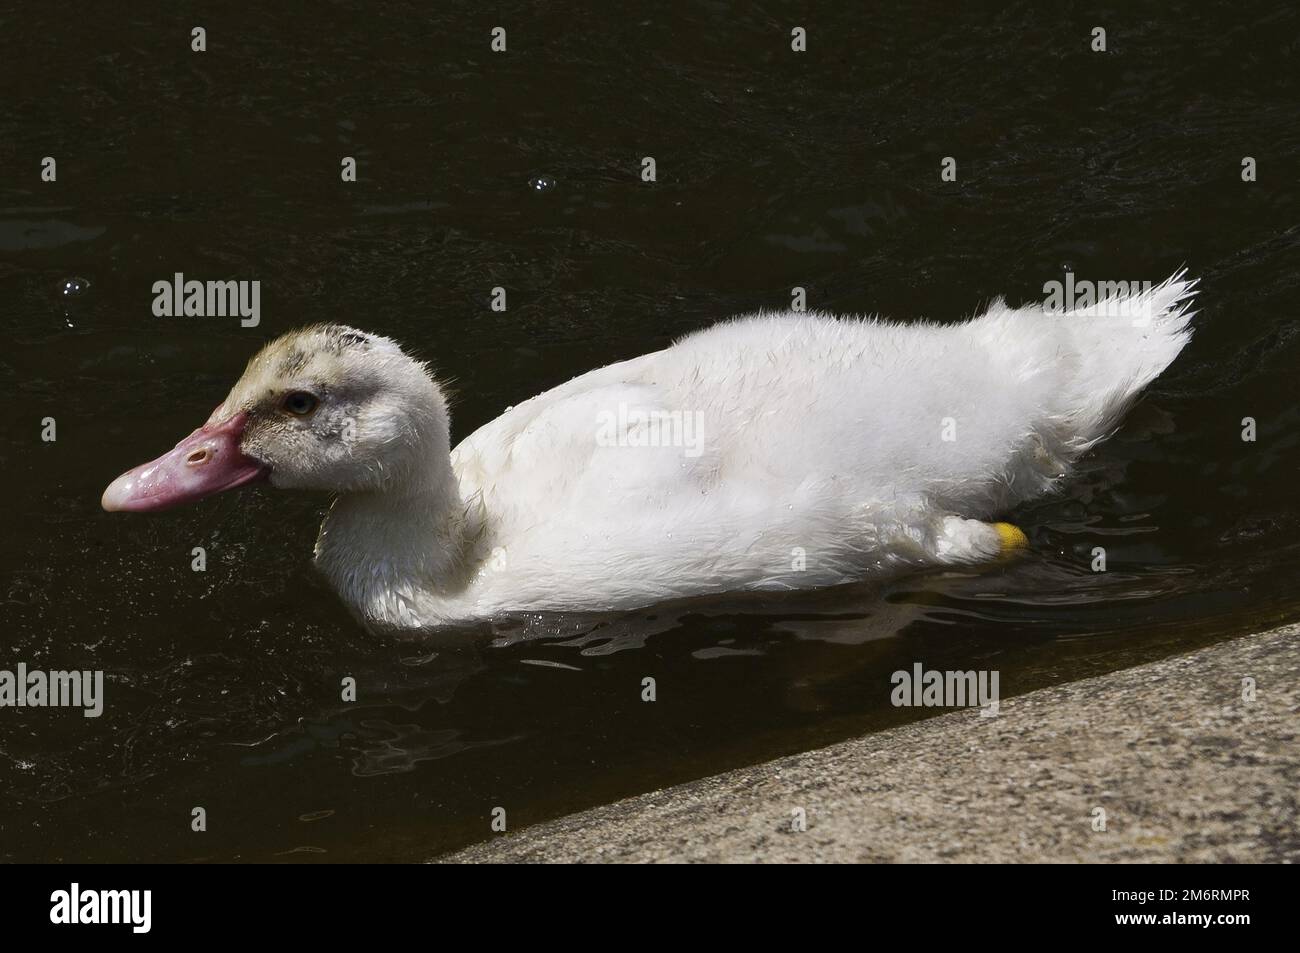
(325, 408)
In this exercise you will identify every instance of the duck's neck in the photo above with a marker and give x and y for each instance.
(400, 557)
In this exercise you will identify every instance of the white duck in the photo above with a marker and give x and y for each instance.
(772, 451)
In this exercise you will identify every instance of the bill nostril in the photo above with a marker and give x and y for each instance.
(199, 457)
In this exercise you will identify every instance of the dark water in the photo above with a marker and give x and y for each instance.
(775, 169)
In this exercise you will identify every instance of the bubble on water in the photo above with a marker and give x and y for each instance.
(541, 183)
(74, 287)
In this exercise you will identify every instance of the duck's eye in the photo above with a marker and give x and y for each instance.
(300, 403)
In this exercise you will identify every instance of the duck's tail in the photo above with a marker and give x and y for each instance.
(1051, 381)
(1109, 350)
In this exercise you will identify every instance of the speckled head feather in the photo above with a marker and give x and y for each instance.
(372, 407)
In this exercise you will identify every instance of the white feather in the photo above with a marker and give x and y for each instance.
(821, 459)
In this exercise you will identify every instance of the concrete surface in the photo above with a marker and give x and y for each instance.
(1184, 769)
